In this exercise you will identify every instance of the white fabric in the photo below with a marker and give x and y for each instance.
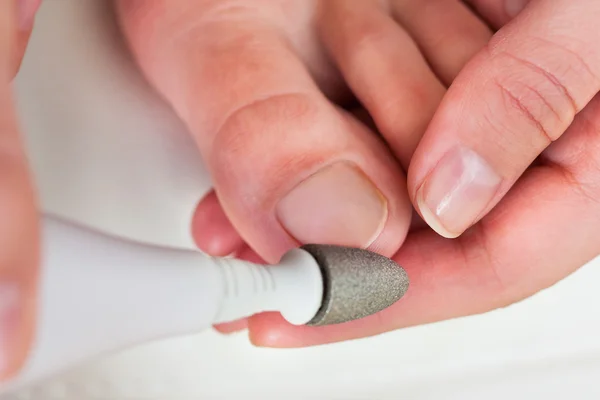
(108, 153)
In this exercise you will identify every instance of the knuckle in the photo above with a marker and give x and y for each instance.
(549, 76)
(534, 95)
(267, 140)
(522, 107)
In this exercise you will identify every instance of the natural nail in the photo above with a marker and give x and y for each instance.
(455, 193)
(337, 205)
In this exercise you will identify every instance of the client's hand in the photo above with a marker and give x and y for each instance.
(510, 165)
(18, 213)
(254, 83)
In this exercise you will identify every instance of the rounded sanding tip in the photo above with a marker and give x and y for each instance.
(357, 283)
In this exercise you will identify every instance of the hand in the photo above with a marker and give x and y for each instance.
(255, 87)
(18, 214)
(253, 82)
(510, 165)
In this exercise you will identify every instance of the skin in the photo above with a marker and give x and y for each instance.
(537, 229)
(495, 262)
(272, 81)
(19, 227)
(297, 110)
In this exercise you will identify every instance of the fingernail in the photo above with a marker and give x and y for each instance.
(26, 10)
(514, 7)
(456, 192)
(337, 205)
(10, 317)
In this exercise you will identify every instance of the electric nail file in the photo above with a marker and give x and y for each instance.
(99, 293)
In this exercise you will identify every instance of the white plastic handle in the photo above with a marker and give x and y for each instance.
(99, 293)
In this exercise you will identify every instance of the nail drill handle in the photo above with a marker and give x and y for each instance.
(99, 293)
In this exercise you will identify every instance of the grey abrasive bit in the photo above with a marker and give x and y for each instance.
(357, 283)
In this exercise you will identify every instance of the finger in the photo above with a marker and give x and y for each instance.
(18, 227)
(447, 32)
(515, 98)
(544, 229)
(384, 68)
(214, 234)
(498, 12)
(211, 229)
(288, 167)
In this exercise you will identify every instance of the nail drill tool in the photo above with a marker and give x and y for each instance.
(100, 293)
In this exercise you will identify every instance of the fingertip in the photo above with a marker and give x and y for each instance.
(430, 218)
(212, 231)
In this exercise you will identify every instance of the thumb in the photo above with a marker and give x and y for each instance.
(512, 100)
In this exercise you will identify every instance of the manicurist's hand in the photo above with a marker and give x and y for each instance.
(18, 214)
(509, 168)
